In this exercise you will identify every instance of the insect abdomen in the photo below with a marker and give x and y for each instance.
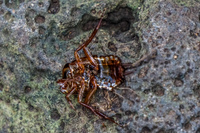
(110, 72)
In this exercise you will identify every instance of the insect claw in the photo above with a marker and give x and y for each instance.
(106, 117)
(123, 126)
(72, 105)
(128, 72)
(127, 65)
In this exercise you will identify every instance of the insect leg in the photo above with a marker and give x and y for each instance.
(92, 90)
(64, 82)
(70, 93)
(80, 98)
(106, 117)
(90, 58)
(91, 36)
(86, 51)
(149, 56)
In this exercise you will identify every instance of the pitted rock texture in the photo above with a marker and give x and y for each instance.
(160, 96)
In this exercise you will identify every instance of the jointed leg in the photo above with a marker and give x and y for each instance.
(90, 58)
(64, 82)
(138, 62)
(92, 90)
(91, 37)
(127, 66)
(69, 94)
(80, 98)
(86, 51)
(63, 87)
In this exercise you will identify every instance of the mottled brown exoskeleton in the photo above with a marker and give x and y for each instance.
(86, 74)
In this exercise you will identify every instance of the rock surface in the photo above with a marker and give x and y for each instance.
(38, 38)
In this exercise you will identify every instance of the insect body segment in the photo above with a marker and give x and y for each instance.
(86, 74)
(110, 73)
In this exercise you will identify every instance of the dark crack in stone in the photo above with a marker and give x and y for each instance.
(27, 89)
(30, 107)
(41, 4)
(8, 16)
(197, 90)
(158, 90)
(41, 30)
(13, 4)
(55, 114)
(54, 6)
(145, 130)
(75, 11)
(30, 13)
(112, 47)
(118, 23)
(39, 19)
(178, 82)
(1, 11)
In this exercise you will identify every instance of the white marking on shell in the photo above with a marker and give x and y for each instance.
(101, 67)
(111, 57)
(63, 91)
(61, 85)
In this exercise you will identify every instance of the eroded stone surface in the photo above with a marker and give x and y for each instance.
(37, 39)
